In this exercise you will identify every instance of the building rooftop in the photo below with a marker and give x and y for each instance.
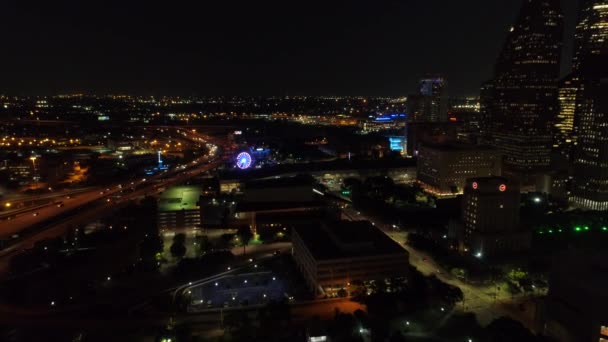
(347, 239)
(269, 206)
(279, 183)
(179, 198)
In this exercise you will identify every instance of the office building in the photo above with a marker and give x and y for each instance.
(574, 309)
(276, 201)
(443, 169)
(590, 178)
(524, 95)
(590, 171)
(590, 56)
(564, 138)
(591, 37)
(486, 100)
(430, 104)
(419, 133)
(490, 214)
(333, 255)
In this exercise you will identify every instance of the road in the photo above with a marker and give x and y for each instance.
(16, 202)
(30, 218)
(106, 206)
(94, 205)
(487, 302)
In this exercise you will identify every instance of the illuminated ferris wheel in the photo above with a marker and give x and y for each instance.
(243, 160)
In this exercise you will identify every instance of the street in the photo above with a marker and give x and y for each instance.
(487, 302)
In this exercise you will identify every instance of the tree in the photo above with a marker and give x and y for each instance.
(203, 244)
(459, 272)
(225, 240)
(178, 248)
(505, 329)
(245, 235)
(149, 248)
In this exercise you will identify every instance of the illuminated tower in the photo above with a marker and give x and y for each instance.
(590, 181)
(524, 97)
(563, 133)
(430, 104)
(589, 57)
(590, 41)
(433, 89)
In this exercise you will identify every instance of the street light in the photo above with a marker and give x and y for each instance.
(478, 255)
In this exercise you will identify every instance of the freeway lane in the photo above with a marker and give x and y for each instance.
(96, 210)
(14, 203)
(9, 228)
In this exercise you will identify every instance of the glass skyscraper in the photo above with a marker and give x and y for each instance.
(524, 99)
(590, 65)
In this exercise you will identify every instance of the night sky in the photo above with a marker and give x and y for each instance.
(265, 47)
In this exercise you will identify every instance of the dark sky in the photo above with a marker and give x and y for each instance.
(252, 47)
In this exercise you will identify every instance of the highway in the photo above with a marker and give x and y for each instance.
(14, 203)
(30, 217)
(50, 222)
(151, 187)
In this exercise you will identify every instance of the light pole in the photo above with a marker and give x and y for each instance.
(33, 159)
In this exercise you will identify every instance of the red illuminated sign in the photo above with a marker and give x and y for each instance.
(475, 185)
(502, 187)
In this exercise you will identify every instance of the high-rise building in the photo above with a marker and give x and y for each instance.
(431, 102)
(590, 156)
(589, 56)
(590, 41)
(486, 96)
(443, 169)
(524, 96)
(590, 181)
(563, 133)
(490, 213)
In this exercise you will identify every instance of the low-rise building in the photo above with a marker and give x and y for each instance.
(333, 255)
(178, 208)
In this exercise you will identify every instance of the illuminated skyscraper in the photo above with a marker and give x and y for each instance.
(589, 55)
(590, 48)
(590, 182)
(563, 134)
(431, 102)
(524, 96)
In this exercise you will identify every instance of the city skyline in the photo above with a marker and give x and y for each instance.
(347, 171)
